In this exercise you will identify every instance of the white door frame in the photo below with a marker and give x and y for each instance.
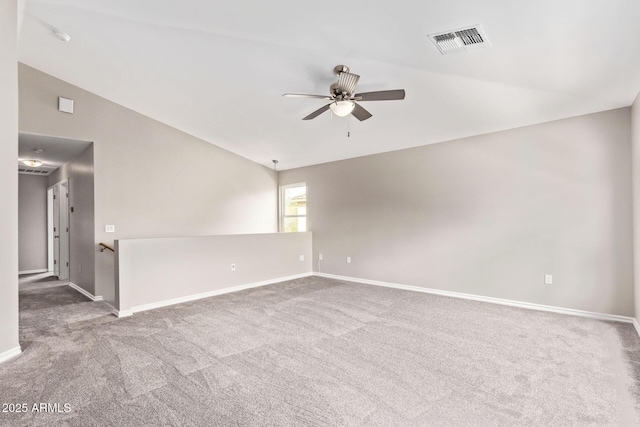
(58, 229)
(64, 230)
(50, 229)
(55, 227)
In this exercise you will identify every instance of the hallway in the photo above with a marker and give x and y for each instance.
(49, 308)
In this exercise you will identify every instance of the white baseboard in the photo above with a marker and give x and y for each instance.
(85, 293)
(121, 313)
(636, 325)
(153, 305)
(44, 270)
(512, 303)
(10, 354)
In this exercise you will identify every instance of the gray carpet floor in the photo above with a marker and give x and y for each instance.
(318, 352)
(39, 281)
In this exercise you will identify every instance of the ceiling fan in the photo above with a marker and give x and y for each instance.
(343, 99)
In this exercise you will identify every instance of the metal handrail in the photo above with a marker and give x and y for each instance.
(105, 246)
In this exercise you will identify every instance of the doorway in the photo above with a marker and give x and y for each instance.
(50, 233)
(58, 229)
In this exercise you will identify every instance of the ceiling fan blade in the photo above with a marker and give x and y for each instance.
(301, 95)
(317, 112)
(347, 82)
(381, 95)
(360, 113)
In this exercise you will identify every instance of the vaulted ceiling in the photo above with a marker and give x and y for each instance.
(217, 69)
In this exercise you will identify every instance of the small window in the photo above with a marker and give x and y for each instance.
(293, 208)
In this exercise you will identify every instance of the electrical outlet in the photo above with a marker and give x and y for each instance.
(319, 257)
(301, 257)
(548, 279)
(233, 267)
(348, 260)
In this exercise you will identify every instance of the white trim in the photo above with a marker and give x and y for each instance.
(194, 297)
(121, 313)
(42, 270)
(10, 354)
(281, 215)
(636, 325)
(512, 303)
(50, 238)
(85, 293)
(64, 224)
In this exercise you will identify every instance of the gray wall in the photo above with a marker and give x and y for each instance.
(79, 172)
(8, 178)
(32, 222)
(487, 215)
(156, 270)
(151, 180)
(635, 158)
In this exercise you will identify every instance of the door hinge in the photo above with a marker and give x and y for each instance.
(67, 195)
(67, 229)
(55, 261)
(67, 264)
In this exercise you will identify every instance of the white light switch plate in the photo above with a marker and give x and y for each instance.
(109, 228)
(548, 279)
(301, 257)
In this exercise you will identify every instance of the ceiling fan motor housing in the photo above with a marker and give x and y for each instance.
(334, 89)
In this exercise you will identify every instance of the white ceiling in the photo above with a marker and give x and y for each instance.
(217, 69)
(56, 151)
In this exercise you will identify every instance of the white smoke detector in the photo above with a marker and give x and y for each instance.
(62, 35)
(460, 40)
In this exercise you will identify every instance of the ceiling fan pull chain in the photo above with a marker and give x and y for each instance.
(349, 126)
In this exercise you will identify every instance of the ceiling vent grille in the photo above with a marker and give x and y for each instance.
(33, 171)
(460, 40)
(41, 170)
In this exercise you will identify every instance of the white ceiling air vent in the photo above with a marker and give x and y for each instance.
(460, 40)
(43, 170)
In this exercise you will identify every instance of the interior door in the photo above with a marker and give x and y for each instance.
(56, 230)
(50, 229)
(64, 231)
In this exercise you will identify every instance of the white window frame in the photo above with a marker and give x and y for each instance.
(281, 204)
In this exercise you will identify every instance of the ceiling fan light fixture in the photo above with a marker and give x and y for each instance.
(342, 108)
(33, 163)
